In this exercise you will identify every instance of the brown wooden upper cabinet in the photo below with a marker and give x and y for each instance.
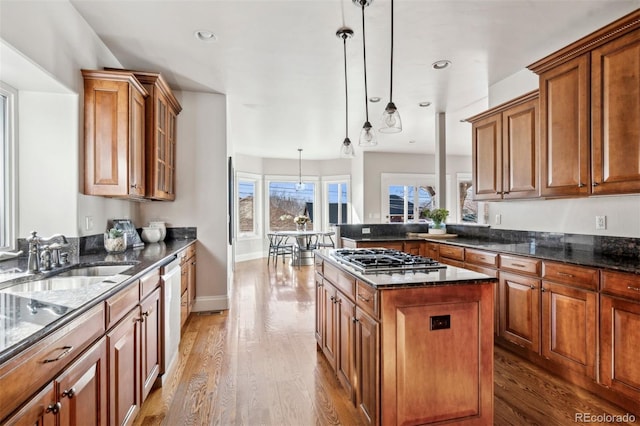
(505, 150)
(114, 127)
(130, 134)
(590, 114)
(162, 109)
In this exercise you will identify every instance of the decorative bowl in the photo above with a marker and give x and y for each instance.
(160, 225)
(151, 234)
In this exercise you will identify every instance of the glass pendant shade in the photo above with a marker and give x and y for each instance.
(367, 135)
(300, 186)
(390, 121)
(346, 151)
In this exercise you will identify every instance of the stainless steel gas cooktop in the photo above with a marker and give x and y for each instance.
(371, 260)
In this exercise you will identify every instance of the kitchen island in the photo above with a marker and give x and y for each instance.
(410, 347)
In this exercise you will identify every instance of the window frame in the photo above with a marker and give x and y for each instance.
(9, 169)
(462, 177)
(407, 179)
(317, 202)
(330, 180)
(257, 205)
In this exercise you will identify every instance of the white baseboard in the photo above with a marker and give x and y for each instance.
(250, 256)
(211, 303)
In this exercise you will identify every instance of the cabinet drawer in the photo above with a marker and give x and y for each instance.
(431, 250)
(120, 304)
(520, 264)
(576, 276)
(343, 281)
(24, 374)
(367, 298)
(482, 269)
(451, 252)
(478, 257)
(149, 282)
(187, 253)
(621, 284)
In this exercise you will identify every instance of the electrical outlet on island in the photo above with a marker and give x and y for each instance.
(366, 230)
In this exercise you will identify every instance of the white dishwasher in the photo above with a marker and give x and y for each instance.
(171, 293)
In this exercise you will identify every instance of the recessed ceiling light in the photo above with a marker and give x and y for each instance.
(205, 36)
(440, 65)
(374, 99)
(412, 141)
(424, 104)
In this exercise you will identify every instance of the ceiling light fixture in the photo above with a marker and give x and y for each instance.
(391, 122)
(347, 147)
(367, 135)
(374, 99)
(205, 36)
(440, 65)
(424, 104)
(300, 185)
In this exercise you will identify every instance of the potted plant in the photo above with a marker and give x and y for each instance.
(115, 240)
(438, 216)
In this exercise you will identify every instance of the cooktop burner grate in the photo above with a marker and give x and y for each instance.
(384, 260)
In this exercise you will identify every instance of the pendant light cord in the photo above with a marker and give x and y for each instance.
(364, 55)
(391, 77)
(346, 91)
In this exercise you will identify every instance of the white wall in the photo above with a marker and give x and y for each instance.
(201, 196)
(51, 41)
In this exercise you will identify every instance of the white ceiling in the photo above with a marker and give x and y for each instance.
(281, 66)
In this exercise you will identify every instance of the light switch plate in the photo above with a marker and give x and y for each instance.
(601, 222)
(366, 230)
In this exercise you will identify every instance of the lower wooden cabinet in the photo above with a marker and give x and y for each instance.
(188, 281)
(40, 410)
(345, 328)
(150, 348)
(520, 310)
(412, 247)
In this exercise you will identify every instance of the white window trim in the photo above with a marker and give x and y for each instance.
(317, 196)
(10, 178)
(326, 181)
(408, 179)
(257, 206)
(459, 178)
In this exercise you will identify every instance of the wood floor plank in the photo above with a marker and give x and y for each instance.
(258, 364)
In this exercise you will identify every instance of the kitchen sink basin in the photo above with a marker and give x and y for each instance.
(94, 271)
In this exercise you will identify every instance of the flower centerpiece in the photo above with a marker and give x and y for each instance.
(301, 222)
(438, 216)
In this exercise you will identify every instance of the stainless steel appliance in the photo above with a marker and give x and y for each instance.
(372, 260)
(171, 289)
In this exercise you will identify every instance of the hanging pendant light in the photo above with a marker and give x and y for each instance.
(346, 150)
(367, 135)
(391, 122)
(300, 185)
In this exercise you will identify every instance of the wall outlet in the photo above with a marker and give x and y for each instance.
(366, 230)
(88, 223)
(601, 222)
(498, 220)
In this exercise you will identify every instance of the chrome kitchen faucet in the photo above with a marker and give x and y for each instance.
(45, 256)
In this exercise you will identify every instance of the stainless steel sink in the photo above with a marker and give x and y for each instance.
(95, 271)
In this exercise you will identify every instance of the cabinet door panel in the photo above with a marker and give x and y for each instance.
(616, 115)
(520, 150)
(487, 162)
(319, 309)
(38, 411)
(150, 348)
(564, 124)
(123, 343)
(569, 327)
(83, 389)
(520, 310)
(367, 367)
(346, 330)
(619, 343)
(329, 340)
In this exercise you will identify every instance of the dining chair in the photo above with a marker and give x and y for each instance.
(325, 239)
(279, 245)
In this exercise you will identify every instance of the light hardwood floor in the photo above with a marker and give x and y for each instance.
(257, 364)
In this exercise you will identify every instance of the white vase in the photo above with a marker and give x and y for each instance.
(161, 225)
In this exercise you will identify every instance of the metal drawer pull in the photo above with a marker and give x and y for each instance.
(633, 288)
(148, 312)
(65, 352)
(364, 299)
(564, 274)
(519, 265)
(54, 408)
(69, 393)
(532, 287)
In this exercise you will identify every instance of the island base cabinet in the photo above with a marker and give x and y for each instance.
(41, 410)
(437, 355)
(619, 343)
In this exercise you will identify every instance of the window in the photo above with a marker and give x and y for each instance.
(404, 196)
(8, 99)
(467, 207)
(248, 205)
(336, 202)
(285, 203)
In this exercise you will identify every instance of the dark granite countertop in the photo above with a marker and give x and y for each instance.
(568, 254)
(15, 336)
(396, 280)
(574, 254)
